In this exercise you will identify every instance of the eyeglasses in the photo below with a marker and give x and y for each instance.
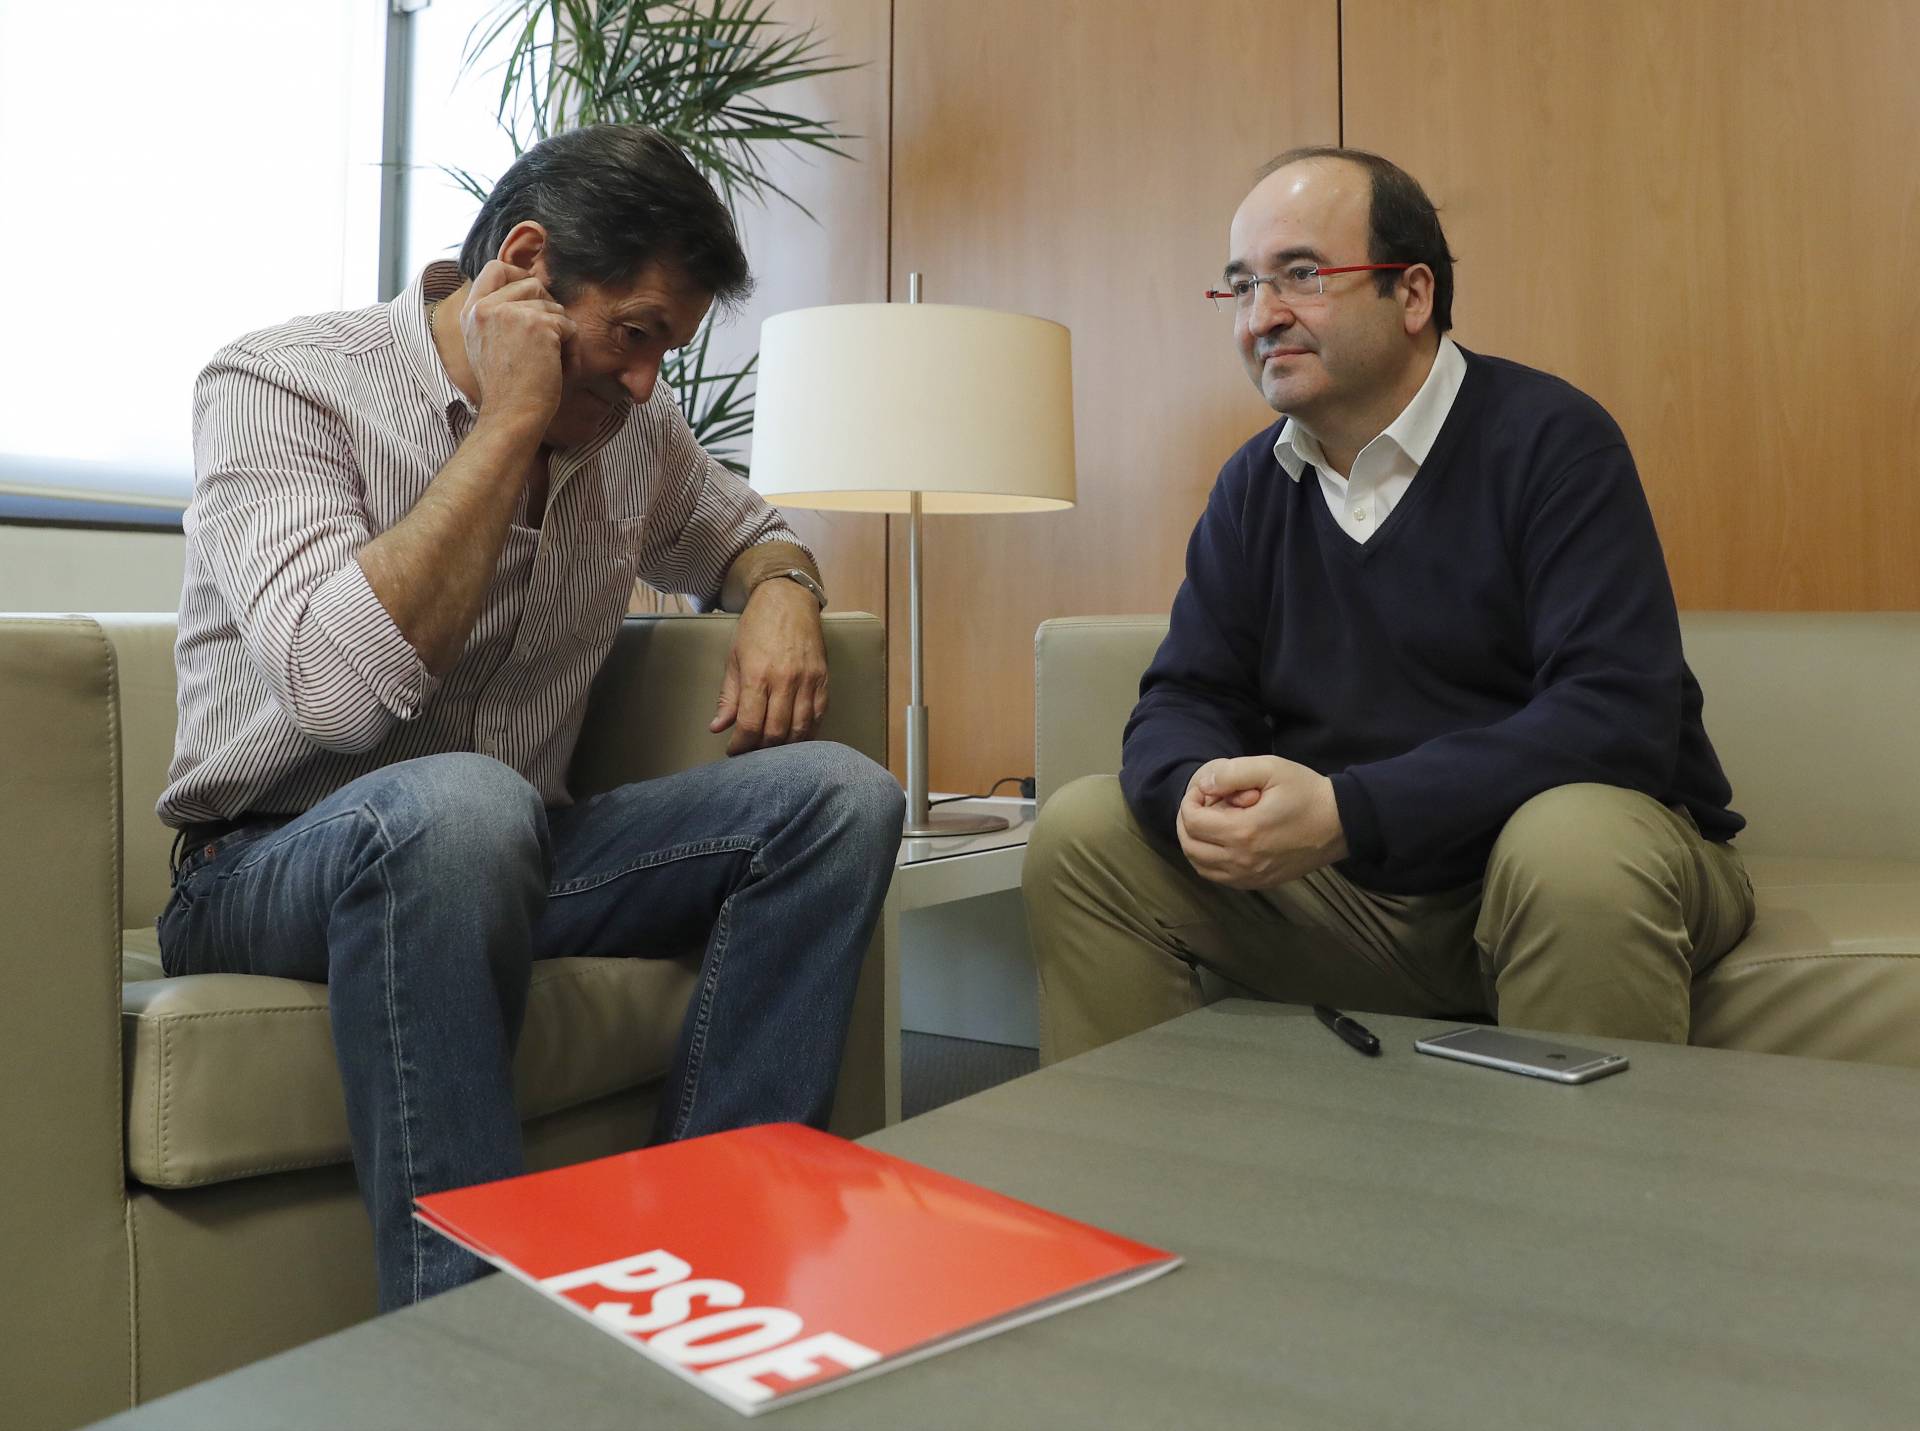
(1300, 280)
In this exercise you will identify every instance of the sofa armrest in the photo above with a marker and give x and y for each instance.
(648, 716)
(1086, 678)
(62, 1178)
(653, 699)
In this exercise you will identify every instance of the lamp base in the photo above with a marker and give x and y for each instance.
(935, 826)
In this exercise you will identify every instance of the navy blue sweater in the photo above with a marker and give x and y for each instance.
(1509, 628)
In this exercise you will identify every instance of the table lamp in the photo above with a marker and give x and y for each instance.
(915, 407)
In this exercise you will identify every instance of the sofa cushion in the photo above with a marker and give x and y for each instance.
(140, 955)
(1831, 968)
(233, 1075)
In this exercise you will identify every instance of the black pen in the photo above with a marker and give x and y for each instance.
(1353, 1033)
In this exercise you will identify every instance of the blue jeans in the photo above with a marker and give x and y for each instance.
(422, 893)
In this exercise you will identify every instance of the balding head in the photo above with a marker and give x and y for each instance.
(1315, 208)
(1403, 226)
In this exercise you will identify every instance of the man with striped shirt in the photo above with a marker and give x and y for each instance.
(414, 530)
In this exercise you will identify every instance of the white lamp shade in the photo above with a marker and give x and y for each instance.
(860, 404)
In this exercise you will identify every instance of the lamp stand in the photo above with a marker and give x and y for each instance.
(922, 823)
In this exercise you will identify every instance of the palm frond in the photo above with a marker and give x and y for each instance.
(695, 71)
(477, 188)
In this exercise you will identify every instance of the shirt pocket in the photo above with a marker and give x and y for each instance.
(600, 573)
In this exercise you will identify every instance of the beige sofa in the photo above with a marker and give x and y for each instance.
(1814, 719)
(175, 1183)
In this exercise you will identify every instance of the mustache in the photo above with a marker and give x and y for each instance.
(1264, 350)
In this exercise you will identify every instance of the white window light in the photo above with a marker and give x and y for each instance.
(176, 175)
(452, 126)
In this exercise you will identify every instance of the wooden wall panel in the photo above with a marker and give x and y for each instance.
(837, 256)
(1081, 162)
(1706, 215)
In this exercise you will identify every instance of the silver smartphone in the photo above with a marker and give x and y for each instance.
(1535, 1057)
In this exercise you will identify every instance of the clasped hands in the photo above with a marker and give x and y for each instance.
(1257, 821)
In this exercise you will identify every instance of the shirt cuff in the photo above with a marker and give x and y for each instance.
(364, 636)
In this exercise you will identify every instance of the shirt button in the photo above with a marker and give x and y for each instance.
(1359, 514)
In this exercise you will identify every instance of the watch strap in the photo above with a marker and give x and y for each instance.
(799, 575)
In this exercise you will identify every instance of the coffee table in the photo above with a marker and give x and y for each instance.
(1710, 1239)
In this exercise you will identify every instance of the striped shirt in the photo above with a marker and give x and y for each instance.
(312, 438)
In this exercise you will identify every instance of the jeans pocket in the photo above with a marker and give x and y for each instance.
(200, 868)
(197, 857)
(225, 854)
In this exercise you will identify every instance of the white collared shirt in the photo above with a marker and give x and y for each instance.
(1385, 468)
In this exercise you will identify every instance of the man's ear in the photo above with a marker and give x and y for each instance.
(1416, 299)
(524, 246)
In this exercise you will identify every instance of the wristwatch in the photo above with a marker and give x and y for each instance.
(803, 577)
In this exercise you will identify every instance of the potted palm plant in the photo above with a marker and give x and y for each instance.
(696, 70)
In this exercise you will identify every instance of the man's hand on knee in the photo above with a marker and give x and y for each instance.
(1258, 821)
(775, 688)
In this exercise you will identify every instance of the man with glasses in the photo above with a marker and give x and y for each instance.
(1420, 738)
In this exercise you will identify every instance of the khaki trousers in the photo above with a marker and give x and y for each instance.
(1598, 908)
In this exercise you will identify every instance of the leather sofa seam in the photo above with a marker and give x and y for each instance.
(178, 1184)
(163, 1019)
(133, 1298)
(170, 1016)
(1039, 718)
(164, 1103)
(183, 1184)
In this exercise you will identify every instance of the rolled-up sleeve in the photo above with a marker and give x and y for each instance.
(700, 514)
(279, 511)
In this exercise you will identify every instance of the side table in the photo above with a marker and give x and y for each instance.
(956, 936)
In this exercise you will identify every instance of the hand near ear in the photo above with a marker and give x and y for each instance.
(518, 339)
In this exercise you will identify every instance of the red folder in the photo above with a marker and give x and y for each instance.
(772, 1263)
